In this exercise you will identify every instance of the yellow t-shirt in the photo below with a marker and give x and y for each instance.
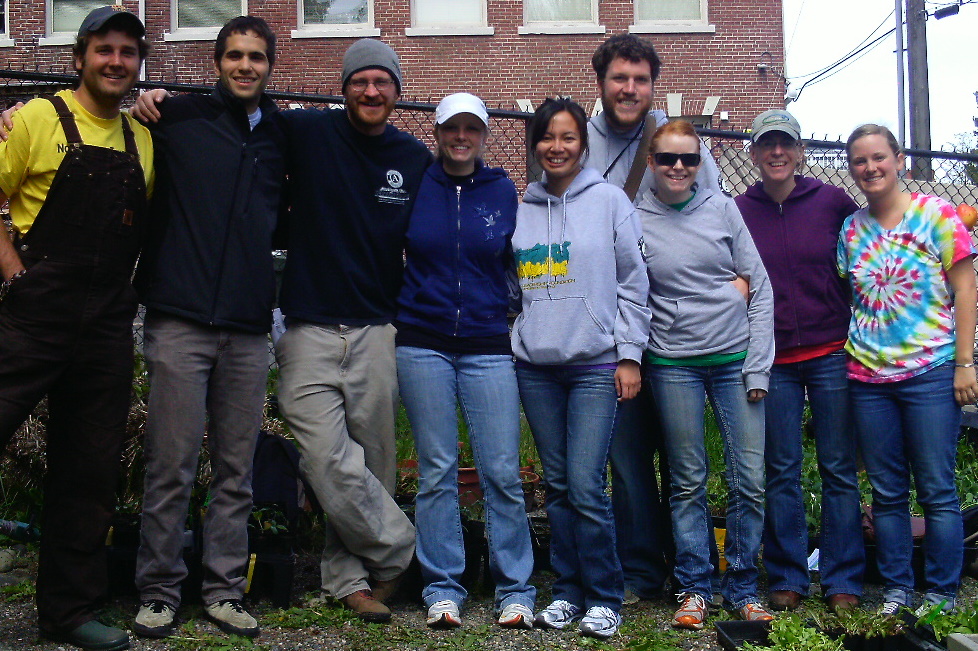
(37, 145)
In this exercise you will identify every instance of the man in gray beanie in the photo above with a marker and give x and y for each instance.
(354, 178)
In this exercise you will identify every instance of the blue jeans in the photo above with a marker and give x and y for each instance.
(431, 384)
(642, 524)
(681, 393)
(571, 412)
(903, 427)
(842, 558)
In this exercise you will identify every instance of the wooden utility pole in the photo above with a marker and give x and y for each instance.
(919, 87)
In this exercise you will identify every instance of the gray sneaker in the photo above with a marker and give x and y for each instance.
(154, 619)
(558, 615)
(231, 617)
(600, 622)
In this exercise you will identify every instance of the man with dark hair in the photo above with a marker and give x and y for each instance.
(76, 171)
(208, 284)
(626, 68)
(353, 179)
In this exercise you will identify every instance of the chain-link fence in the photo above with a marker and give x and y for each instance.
(951, 175)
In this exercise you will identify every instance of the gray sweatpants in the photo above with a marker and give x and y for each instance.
(338, 392)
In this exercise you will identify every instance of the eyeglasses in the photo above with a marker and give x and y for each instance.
(360, 85)
(668, 159)
(770, 144)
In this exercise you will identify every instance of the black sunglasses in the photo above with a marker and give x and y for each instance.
(668, 159)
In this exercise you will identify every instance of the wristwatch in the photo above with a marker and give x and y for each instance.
(5, 285)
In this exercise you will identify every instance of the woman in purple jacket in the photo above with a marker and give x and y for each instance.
(453, 351)
(795, 222)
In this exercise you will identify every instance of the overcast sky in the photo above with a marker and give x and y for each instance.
(819, 32)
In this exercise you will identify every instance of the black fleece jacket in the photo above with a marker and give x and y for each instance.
(215, 210)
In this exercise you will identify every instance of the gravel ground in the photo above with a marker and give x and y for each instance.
(328, 626)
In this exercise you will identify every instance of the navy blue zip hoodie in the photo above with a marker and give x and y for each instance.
(214, 212)
(459, 253)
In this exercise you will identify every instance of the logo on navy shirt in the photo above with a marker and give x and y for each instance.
(393, 192)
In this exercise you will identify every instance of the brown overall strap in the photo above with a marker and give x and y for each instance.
(130, 138)
(67, 120)
(71, 129)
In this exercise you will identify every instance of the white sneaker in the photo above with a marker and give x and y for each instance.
(600, 622)
(558, 615)
(444, 614)
(231, 617)
(154, 619)
(516, 616)
(890, 608)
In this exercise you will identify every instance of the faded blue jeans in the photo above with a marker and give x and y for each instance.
(903, 427)
(431, 384)
(681, 392)
(571, 412)
(842, 555)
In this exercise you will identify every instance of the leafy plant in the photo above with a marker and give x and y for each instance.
(18, 592)
(268, 519)
(964, 620)
(859, 623)
(789, 633)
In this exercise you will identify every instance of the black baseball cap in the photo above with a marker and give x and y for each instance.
(97, 18)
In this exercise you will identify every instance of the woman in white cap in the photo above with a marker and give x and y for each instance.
(795, 222)
(453, 350)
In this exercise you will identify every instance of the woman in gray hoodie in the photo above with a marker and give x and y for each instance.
(577, 342)
(706, 341)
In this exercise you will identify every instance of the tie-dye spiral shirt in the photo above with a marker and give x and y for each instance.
(903, 318)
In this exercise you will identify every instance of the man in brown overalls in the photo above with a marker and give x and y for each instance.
(76, 172)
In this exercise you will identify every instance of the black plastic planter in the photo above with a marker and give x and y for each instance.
(735, 633)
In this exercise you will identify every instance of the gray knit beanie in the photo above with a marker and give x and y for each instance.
(371, 53)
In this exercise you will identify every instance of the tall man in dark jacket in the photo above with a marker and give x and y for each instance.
(353, 179)
(208, 285)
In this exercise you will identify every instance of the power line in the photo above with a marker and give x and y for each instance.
(850, 53)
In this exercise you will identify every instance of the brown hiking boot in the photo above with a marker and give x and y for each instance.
(384, 590)
(367, 608)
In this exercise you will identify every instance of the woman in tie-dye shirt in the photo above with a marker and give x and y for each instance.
(909, 260)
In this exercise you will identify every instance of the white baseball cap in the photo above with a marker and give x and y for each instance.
(457, 103)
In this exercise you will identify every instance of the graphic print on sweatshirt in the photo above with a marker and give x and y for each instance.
(534, 262)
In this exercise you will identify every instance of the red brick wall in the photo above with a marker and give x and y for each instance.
(501, 68)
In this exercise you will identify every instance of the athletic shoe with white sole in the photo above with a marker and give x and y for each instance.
(444, 614)
(231, 617)
(516, 616)
(600, 622)
(154, 619)
(692, 612)
(558, 615)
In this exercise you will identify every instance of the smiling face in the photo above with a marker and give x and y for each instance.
(460, 140)
(673, 182)
(874, 166)
(108, 71)
(559, 152)
(777, 156)
(626, 93)
(244, 68)
(368, 106)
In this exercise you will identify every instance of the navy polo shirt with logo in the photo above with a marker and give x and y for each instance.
(351, 196)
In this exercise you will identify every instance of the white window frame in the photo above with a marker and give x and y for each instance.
(465, 29)
(563, 27)
(177, 34)
(5, 39)
(321, 30)
(52, 37)
(685, 26)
